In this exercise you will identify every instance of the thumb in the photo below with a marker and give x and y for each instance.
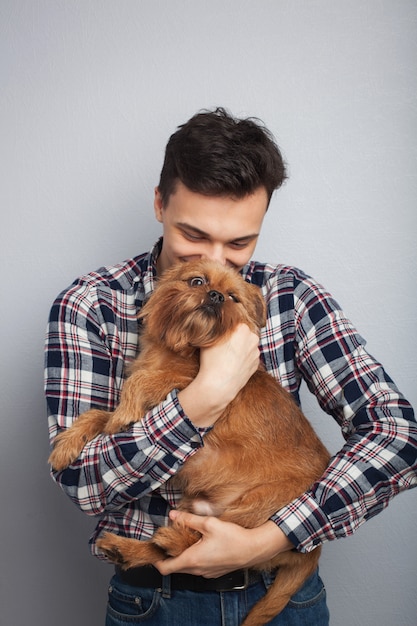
(196, 522)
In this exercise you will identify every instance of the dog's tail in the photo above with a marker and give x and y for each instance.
(293, 570)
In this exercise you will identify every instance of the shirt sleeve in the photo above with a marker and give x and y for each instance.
(86, 349)
(378, 459)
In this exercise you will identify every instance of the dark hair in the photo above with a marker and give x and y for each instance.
(216, 154)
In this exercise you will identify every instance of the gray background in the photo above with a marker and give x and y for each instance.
(90, 92)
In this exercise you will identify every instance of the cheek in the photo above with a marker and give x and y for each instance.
(181, 247)
(186, 249)
(241, 257)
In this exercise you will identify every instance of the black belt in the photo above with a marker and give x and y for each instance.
(149, 577)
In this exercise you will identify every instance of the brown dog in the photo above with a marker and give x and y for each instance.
(262, 452)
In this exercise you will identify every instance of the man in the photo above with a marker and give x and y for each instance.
(217, 179)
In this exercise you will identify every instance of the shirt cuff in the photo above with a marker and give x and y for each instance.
(304, 523)
(169, 427)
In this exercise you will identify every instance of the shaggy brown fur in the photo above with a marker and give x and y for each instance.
(262, 452)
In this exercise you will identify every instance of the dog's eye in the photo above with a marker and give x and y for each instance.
(197, 281)
(233, 297)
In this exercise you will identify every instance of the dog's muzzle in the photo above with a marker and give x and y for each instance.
(215, 297)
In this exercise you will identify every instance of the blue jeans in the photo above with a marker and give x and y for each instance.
(134, 605)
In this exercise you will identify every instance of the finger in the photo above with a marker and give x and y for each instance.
(185, 563)
(169, 566)
(196, 522)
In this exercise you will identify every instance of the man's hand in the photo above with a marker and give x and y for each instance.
(224, 547)
(224, 369)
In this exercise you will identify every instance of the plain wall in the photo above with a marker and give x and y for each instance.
(90, 92)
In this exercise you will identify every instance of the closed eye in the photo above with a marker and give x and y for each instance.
(233, 297)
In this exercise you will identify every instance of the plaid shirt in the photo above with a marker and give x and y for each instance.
(122, 479)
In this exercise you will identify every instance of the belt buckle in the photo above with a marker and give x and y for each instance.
(244, 585)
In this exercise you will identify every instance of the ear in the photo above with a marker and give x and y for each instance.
(157, 205)
(259, 306)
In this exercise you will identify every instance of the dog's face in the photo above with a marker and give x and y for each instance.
(198, 302)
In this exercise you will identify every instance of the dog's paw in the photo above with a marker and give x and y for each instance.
(127, 552)
(120, 550)
(108, 546)
(63, 455)
(67, 448)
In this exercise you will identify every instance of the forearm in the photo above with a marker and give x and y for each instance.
(201, 403)
(114, 470)
(224, 369)
(377, 463)
(266, 542)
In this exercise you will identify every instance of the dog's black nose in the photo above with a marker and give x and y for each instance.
(215, 296)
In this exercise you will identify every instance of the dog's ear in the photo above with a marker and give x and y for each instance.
(157, 317)
(258, 305)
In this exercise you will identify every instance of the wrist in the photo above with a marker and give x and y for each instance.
(201, 403)
(267, 541)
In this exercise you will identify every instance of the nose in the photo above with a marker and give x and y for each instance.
(215, 296)
(216, 253)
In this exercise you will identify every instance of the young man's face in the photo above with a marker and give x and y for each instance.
(219, 228)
